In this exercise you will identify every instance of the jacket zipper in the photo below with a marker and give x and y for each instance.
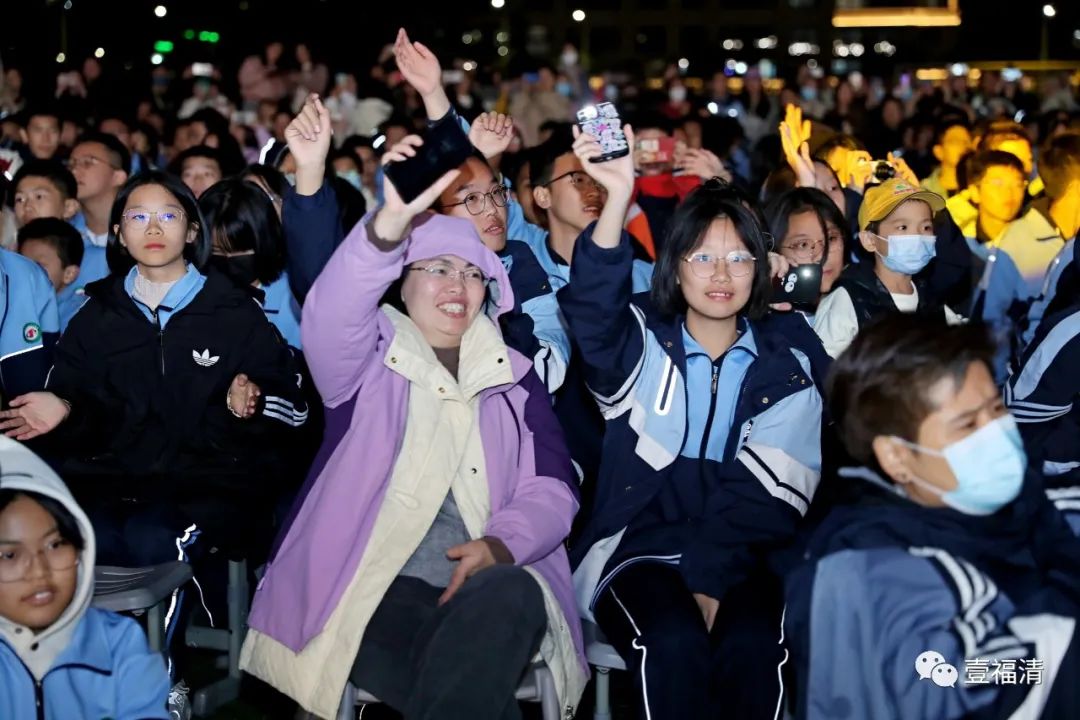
(161, 340)
(39, 700)
(712, 411)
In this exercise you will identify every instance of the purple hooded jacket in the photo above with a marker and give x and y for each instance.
(345, 338)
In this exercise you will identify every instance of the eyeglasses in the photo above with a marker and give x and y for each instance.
(804, 250)
(578, 179)
(86, 162)
(446, 273)
(476, 202)
(705, 266)
(141, 218)
(15, 562)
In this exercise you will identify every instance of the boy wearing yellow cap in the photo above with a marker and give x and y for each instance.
(896, 229)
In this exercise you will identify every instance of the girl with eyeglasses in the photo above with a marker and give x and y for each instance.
(169, 393)
(712, 450)
(425, 562)
(60, 658)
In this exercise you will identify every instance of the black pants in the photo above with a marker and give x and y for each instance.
(679, 668)
(135, 534)
(462, 660)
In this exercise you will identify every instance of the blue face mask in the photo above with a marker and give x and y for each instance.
(908, 254)
(989, 466)
(352, 177)
(564, 88)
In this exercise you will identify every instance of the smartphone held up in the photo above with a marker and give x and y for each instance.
(602, 122)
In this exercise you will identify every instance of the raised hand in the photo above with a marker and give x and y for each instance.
(903, 170)
(704, 164)
(491, 133)
(617, 176)
(799, 128)
(394, 217)
(418, 65)
(33, 414)
(857, 168)
(308, 137)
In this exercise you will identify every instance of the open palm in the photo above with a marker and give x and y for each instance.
(417, 64)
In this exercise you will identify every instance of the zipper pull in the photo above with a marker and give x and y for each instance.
(715, 378)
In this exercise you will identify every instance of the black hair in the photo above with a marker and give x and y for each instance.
(66, 524)
(946, 124)
(839, 140)
(176, 167)
(53, 171)
(114, 115)
(799, 200)
(241, 217)
(654, 120)
(396, 120)
(881, 384)
(351, 203)
(197, 253)
(44, 110)
(711, 201)
(1001, 130)
(57, 233)
(544, 155)
(117, 151)
(1059, 164)
(778, 182)
(273, 177)
(977, 163)
(343, 154)
(217, 125)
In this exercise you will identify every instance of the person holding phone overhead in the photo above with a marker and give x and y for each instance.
(436, 574)
(712, 450)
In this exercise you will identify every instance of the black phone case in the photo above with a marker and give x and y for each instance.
(445, 148)
(801, 285)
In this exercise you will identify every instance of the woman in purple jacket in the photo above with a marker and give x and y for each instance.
(426, 562)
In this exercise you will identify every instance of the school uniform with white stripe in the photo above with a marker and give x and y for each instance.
(707, 466)
(29, 325)
(889, 590)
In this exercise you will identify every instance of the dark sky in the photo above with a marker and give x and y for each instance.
(350, 32)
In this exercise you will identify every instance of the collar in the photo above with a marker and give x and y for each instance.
(745, 342)
(89, 646)
(484, 362)
(555, 257)
(1042, 224)
(179, 294)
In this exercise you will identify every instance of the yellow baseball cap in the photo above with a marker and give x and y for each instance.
(880, 200)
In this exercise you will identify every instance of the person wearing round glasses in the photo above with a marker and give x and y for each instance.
(712, 449)
(60, 658)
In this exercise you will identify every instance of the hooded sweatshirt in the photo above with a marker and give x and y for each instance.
(88, 664)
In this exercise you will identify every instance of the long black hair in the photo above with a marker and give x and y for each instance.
(712, 201)
(241, 217)
(197, 253)
(799, 200)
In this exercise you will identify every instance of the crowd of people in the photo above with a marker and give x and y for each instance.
(779, 402)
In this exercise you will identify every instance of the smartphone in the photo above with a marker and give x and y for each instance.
(602, 121)
(657, 150)
(202, 69)
(452, 77)
(800, 286)
(445, 147)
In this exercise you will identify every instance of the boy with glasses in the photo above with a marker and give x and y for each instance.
(100, 164)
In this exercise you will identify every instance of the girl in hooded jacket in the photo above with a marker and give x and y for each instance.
(425, 563)
(60, 659)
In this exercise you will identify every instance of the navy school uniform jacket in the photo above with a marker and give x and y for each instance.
(148, 390)
(714, 517)
(29, 325)
(1042, 395)
(885, 580)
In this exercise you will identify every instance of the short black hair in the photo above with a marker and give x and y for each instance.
(197, 253)
(58, 233)
(799, 200)
(546, 153)
(947, 123)
(711, 201)
(117, 151)
(1001, 130)
(41, 110)
(53, 171)
(342, 154)
(241, 217)
(1059, 164)
(977, 163)
(881, 384)
(66, 524)
(839, 140)
(176, 167)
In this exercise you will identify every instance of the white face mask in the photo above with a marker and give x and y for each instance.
(677, 93)
(569, 58)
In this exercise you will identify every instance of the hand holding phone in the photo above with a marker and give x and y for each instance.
(444, 148)
(603, 123)
(800, 285)
(392, 220)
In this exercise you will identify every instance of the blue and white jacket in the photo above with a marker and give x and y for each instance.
(701, 485)
(281, 309)
(29, 325)
(1043, 395)
(892, 594)
(1041, 305)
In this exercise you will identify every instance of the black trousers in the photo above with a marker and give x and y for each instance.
(679, 668)
(462, 660)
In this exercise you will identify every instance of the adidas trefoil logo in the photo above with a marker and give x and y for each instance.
(204, 359)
